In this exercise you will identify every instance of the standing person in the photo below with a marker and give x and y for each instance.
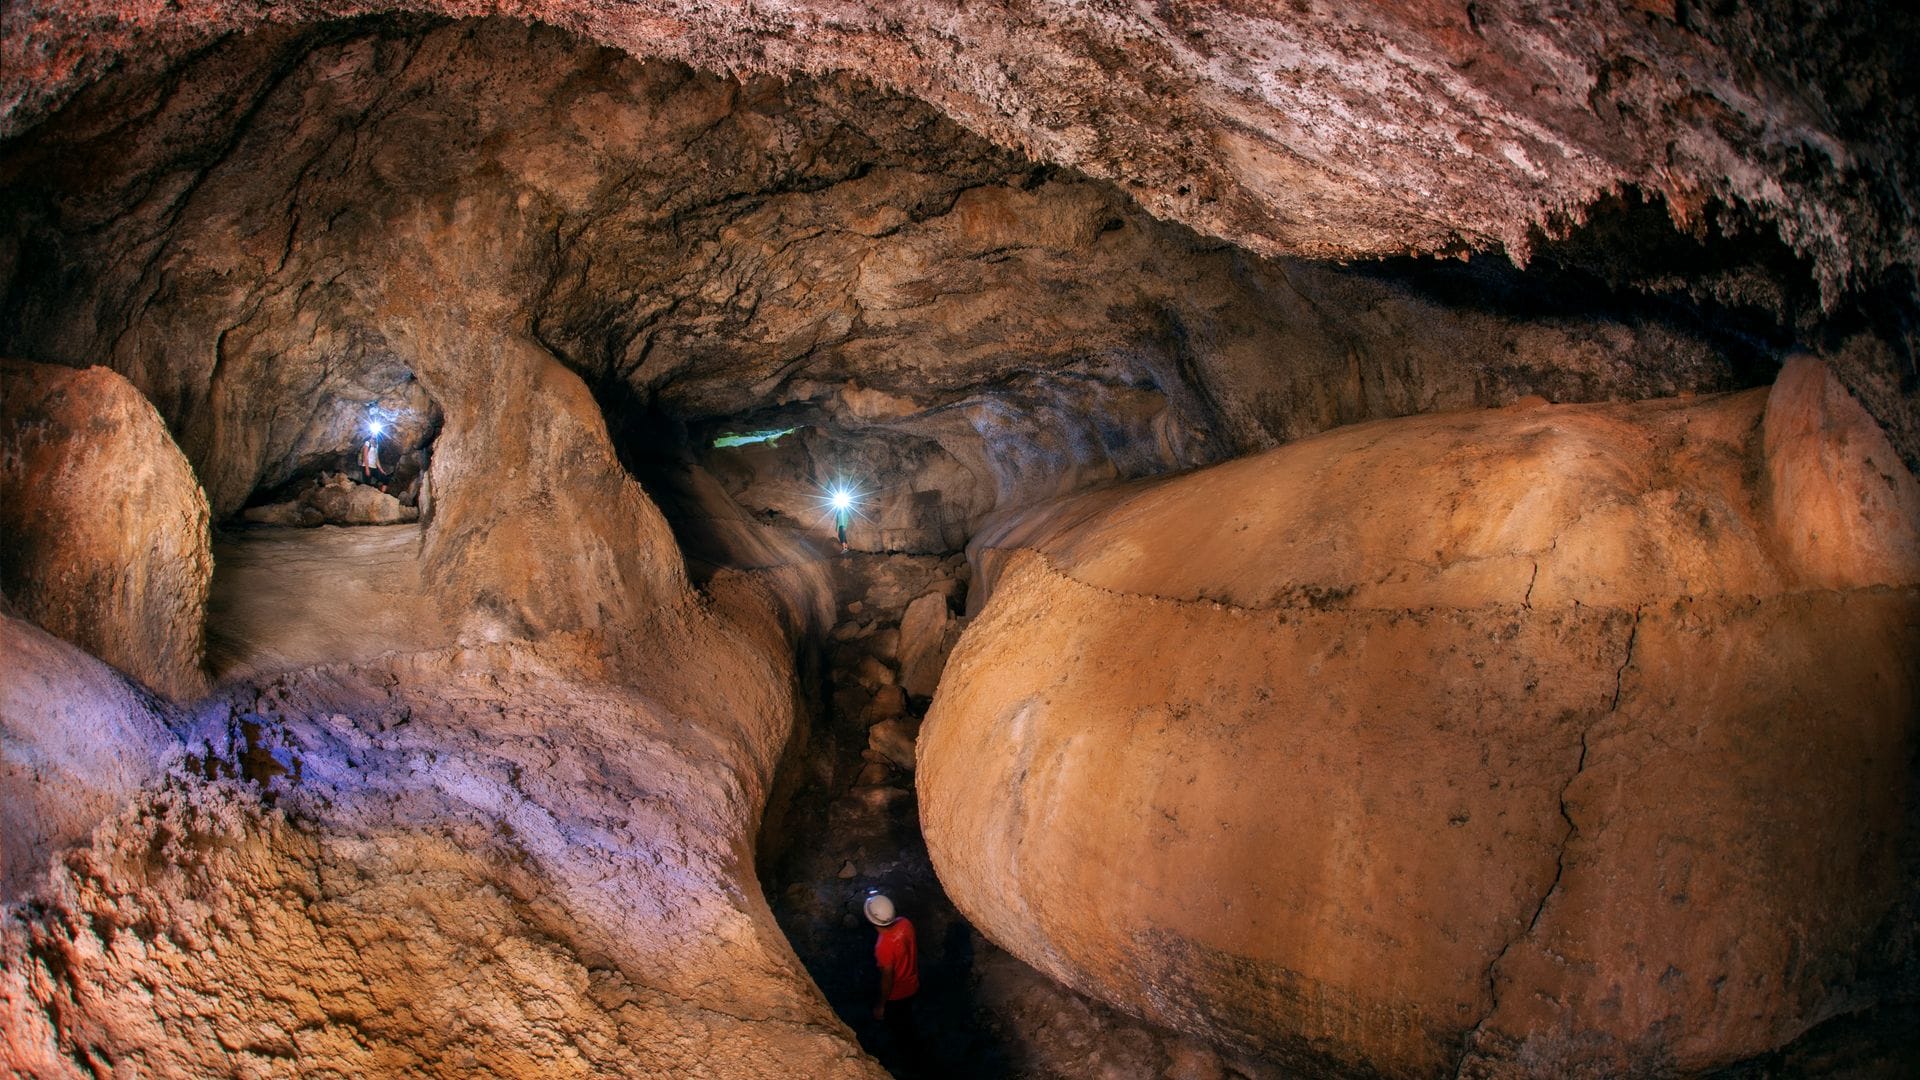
(897, 952)
(842, 515)
(370, 462)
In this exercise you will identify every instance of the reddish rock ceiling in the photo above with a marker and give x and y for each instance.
(1327, 129)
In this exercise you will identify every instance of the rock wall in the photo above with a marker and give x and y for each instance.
(495, 861)
(534, 856)
(1523, 742)
(501, 858)
(531, 854)
(105, 526)
(504, 858)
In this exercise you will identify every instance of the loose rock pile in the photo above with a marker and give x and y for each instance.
(336, 499)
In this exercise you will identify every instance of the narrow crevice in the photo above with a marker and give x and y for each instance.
(1620, 674)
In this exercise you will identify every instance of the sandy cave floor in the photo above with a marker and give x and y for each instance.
(284, 598)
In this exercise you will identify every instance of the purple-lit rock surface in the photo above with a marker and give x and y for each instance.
(491, 860)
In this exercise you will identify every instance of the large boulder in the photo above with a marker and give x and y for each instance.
(927, 634)
(1535, 734)
(105, 525)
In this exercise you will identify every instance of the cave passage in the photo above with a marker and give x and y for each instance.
(1327, 540)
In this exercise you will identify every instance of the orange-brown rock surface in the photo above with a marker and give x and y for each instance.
(1527, 735)
(509, 829)
(104, 524)
(494, 861)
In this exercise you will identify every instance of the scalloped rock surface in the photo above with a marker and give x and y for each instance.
(1531, 734)
(278, 233)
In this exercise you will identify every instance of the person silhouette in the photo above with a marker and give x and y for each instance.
(370, 462)
(896, 951)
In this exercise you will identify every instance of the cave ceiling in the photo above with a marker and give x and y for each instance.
(1327, 129)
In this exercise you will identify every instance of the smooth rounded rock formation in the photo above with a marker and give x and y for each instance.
(104, 524)
(1516, 742)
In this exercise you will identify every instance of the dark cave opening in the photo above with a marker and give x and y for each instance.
(327, 480)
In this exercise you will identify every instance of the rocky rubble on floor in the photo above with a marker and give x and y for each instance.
(336, 499)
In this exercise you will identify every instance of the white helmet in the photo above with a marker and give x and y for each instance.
(880, 910)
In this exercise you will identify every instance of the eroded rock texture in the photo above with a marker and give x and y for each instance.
(499, 858)
(1528, 733)
(293, 226)
(103, 527)
(1330, 129)
(475, 862)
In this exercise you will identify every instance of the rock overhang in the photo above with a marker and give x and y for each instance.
(1330, 130)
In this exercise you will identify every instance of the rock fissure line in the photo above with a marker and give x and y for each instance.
(1620, 674)
(1560, 855)
(1053, 568)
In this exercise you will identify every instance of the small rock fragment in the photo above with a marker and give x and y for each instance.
(893, 740)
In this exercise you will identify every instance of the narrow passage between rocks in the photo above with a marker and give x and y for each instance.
(853, 825)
